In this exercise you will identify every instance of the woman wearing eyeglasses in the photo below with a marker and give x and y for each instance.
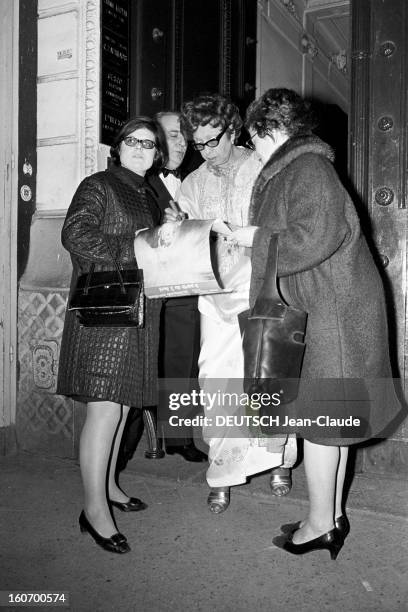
(221, 188)
(111, 369)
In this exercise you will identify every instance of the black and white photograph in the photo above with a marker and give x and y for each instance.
(203, 305)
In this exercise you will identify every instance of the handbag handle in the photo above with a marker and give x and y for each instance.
(269, 293)
(92, 268)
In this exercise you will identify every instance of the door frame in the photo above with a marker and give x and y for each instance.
(9, 70)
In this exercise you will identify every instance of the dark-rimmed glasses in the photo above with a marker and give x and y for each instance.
(213, 142)
(145, 143)
(250, 143)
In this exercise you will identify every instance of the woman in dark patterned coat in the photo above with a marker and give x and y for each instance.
(326, 269)
(111, 368)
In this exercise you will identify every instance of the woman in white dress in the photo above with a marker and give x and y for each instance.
(221, 189)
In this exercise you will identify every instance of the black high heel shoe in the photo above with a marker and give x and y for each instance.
(331, 541)
(341, 524)
(133, 505)
(116, 543)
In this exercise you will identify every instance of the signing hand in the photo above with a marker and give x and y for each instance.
(174, 213)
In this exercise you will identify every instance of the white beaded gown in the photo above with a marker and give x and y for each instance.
(211, 192)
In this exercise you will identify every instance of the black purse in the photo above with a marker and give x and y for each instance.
(272, 339)
(109, 299)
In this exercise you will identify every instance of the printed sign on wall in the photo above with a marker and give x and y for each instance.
(115, 67)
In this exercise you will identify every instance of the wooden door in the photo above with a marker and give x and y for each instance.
(183, 47)
(378, 163)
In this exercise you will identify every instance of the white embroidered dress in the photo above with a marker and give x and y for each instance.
(224, 193)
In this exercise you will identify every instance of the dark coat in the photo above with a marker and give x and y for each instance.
(161, 193)
(179, 332)
(115, 364)
(185, 334)
(326, 269)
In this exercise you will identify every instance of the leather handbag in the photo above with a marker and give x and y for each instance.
(272, 339)
(114, 298)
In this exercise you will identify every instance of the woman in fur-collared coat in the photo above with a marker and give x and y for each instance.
(326, 269)
(111, 369)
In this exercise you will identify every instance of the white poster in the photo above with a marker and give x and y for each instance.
(182, 258)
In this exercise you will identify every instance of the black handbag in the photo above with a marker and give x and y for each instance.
(272, 339)
(109, 299)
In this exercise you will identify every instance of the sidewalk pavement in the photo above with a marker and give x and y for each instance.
(184, 558)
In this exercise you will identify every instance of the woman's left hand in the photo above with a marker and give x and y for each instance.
(244, 235)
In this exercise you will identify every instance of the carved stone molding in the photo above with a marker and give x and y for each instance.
(308, 45)
(340, 59)
(90, 76)
(41, 415)
(290, 6)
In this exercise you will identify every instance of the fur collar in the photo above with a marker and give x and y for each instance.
(291, 150)
(285, 155)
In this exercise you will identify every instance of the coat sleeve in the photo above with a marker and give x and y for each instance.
(82, 235)
(316, 225)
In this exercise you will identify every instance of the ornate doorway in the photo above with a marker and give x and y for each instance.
(8, 222)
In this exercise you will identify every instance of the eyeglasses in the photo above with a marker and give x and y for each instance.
(250, 143)
(213, 142)
(145, 143)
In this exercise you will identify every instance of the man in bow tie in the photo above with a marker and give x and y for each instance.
(180, 320)
(167, 183)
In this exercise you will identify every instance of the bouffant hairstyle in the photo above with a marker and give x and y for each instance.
(281, 109)
(161, 152)
(213, 109)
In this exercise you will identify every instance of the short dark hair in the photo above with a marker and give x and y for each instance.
(161, 152)
(281, 109)
(213, 109)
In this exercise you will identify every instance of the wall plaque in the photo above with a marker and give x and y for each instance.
(115, 50)
(115, 89)
(115, 42)
(115, 15)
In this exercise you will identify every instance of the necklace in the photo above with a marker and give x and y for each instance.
(229, 165)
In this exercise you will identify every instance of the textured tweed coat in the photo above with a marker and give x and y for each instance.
(326, 269)
(119, 365)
